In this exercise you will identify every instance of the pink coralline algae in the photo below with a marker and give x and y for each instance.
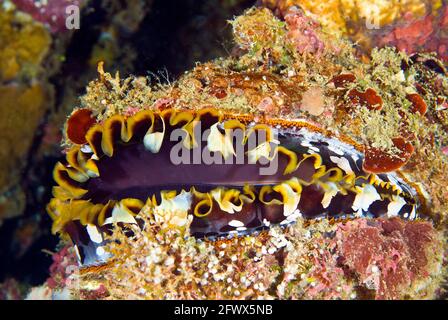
(428, 34)
(64, 265)
(368, 259)
(386, 256)
(51, 13)
(302, 32)
(97, 293)
(267, 106)
(326, 273)
(9, 290)
(445, 150)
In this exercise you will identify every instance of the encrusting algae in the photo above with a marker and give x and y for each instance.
(356, 210)
(410, 25)
(24, 44)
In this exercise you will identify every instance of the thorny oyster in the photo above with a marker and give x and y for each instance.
(358, 147)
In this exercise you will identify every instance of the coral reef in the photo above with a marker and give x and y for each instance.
(389, 107)
(26, 105)
(393, 258)
(63, 275)
(25, 96)
(24, 45)
(383, 259)
(23, 48)
(427, 34)
(411, 25)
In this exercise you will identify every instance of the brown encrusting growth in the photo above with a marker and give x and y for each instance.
(418, 104)
(369, 99)
(377, 161)
(78, 124)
